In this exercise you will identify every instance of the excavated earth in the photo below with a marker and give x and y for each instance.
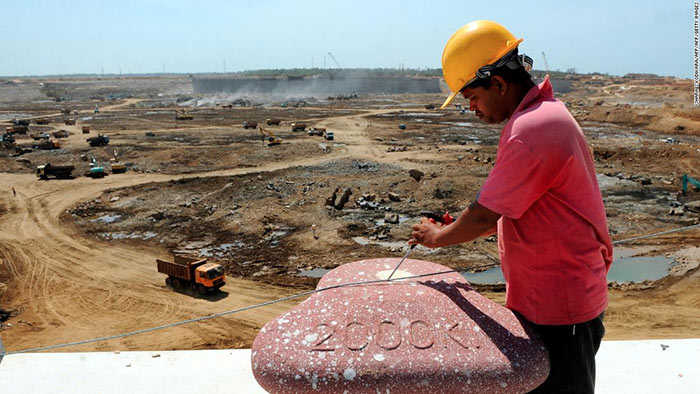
(77, 256)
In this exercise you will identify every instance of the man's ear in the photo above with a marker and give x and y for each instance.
(500, 84)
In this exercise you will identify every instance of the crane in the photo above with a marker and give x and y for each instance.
(336, 62)
(546, 66)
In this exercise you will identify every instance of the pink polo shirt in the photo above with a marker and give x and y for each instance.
(553, 235)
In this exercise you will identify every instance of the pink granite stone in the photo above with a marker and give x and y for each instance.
(430, 334)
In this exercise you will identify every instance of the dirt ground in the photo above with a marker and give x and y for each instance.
(77, 256)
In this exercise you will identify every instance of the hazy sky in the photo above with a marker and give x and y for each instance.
(40, 37)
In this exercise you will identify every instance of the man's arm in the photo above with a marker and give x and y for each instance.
(474, 221)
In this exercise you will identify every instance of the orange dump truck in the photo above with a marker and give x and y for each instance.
(199, 275)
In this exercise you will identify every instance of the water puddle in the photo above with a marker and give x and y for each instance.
(314, 273)
(460, 124)
(135, 235)
(491, 276)
(627, 267)
(395, 246)
(638, 269)
(402, 219)
(220, 250)
(107, 218)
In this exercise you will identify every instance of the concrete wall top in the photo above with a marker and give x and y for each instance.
(652, 366)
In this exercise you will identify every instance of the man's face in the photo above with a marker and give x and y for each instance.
(487, 104)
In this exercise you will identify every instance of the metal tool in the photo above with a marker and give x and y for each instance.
(445, 219)
(402, 259)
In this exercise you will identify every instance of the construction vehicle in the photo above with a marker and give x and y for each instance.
(70, 122)
(8, 141)
(182, 114)
(57, 171)
(61, 134)
(117, 166)
(298, 126)
(20, 122)
(270, 137)
(18, 129)
(100, 140)
(249, 124)
(198, 275)
(316, 130)
(47, 145)
(687, 179)
(95, 171)
(86, 129)
(39, 136)
(274, 121)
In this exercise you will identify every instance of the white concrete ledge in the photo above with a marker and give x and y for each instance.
(622, 366)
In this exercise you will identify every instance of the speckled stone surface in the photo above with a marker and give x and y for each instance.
(432, 334)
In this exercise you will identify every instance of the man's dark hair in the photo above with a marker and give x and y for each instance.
(518, 76)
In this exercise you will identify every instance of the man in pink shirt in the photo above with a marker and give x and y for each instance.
(541, 197)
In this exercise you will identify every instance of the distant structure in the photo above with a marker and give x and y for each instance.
(317, 85)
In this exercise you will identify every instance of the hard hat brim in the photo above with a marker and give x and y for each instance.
(449, 100)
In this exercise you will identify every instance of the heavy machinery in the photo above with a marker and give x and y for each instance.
(181, 114)
(250, 124)
(61, 134)
(100, 140)
(39, 136)
(8, 141)
(273, 121)
(298, 126)
(57, 171)
(316, 130)
(186, 272)
(86, 129)
(70, 122)
(687, 179)
(270, 137)
(47, 145)
(18, 129)
(43, 121)
(96, 170)
(117, 166)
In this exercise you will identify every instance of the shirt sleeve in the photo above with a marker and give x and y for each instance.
(516, 181)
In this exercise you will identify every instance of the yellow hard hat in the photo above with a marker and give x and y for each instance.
(473, 46)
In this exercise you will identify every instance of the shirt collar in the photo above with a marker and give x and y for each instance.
(540, 92)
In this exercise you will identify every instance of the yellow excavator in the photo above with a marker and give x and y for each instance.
(182, 114)
(269, 136)
(117, 166)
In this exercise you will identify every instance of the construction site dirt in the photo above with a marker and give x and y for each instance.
(78, 256)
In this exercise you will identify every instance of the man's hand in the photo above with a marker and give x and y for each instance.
(474, 221)
(425, 233)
